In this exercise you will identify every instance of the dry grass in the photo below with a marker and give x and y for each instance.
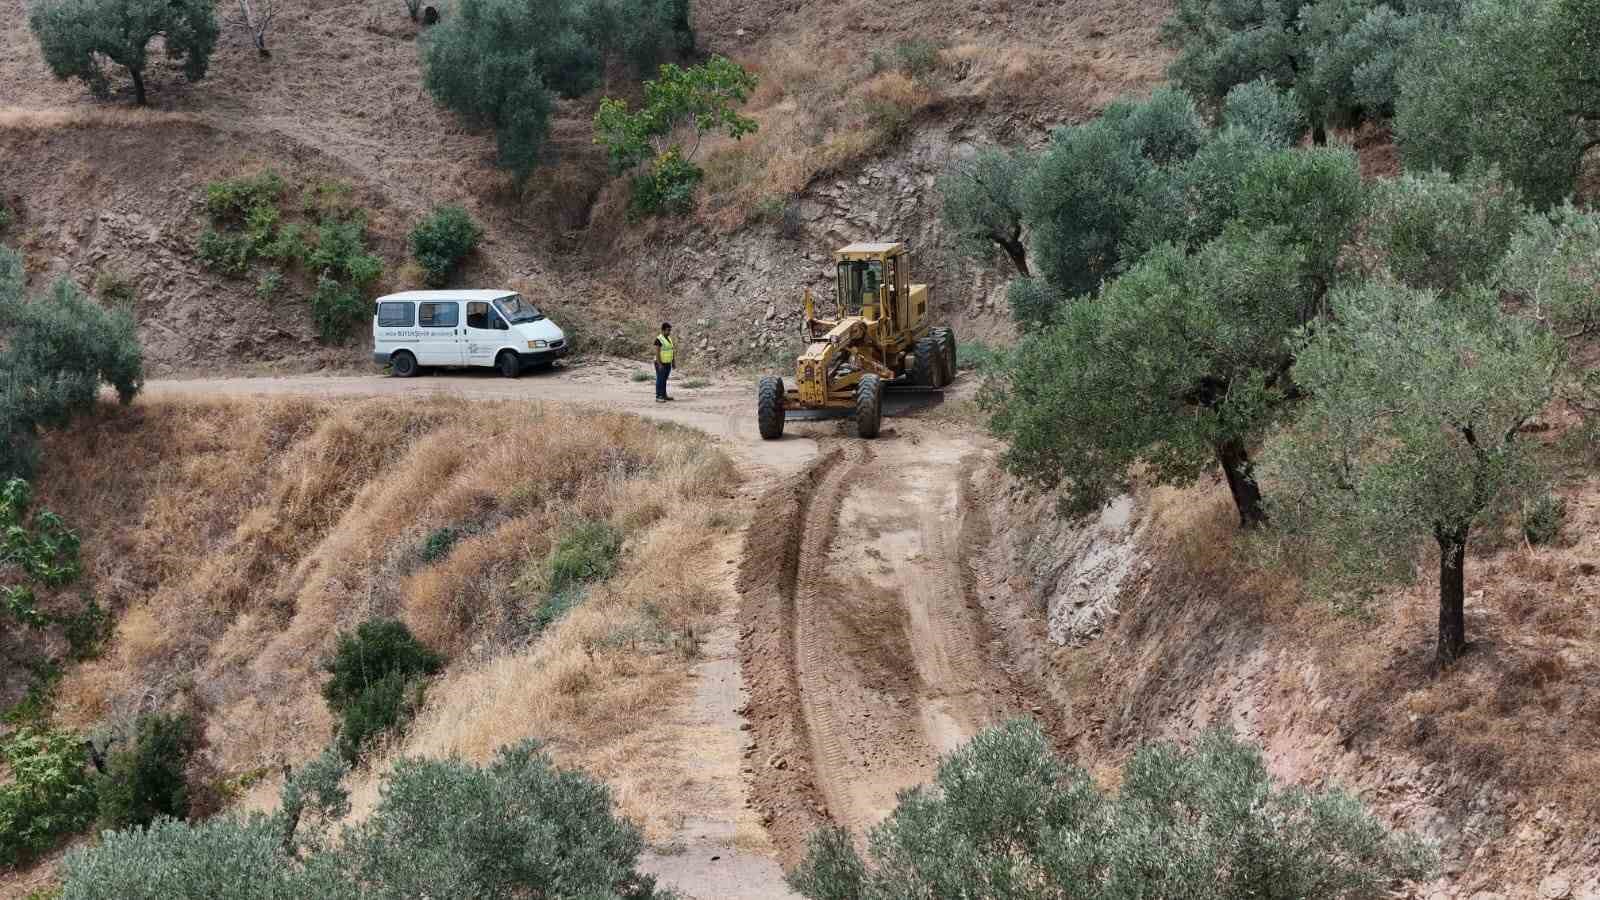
(235, 539)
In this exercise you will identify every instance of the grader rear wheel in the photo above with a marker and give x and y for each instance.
(947, 348)
(769, 407)
(869, 405)
(925, 367)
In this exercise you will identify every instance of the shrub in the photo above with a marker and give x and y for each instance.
(269, 284)
(915, 57)
(337, 309)
(1543, 518)
(587, 552)
(76, 36)
(376, 681)
(667, 186)
(975, 356)
(437, 544)
(147, 779)
(48, 794)
(518, 827)
(229, 254)
(1553, 268)
(1166, 128)
(442, 240)
(233, 200)
(6, 215)
(55, 352)
(1005, 817)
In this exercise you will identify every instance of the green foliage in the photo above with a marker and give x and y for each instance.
(518, 827)
(1265, 110)
(47, 794)
(235, 200)
(42, 547)
(1006, 818)
(983, 203)
(376, 683)
(1431, 231)
(1411, 427)
(442, 240)
(1080, 198)
(976, 356)
(640, 375)
(914, 56)
(77, 35)
(337, 308)
(437, 544)
(497, 62)
(115, 289)
(1179, 358)
(55, 352)
(586, 552)
(1491, 91)
(1167, 127)
(269, 284)
(1553, 268)
(1315, 195)
(1543, 518)
(229, 254)
(701, 97)
(147, 779)
(666, 186)
(6, 215)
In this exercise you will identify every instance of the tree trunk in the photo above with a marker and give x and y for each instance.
(138, 86)
(1319, 135)
(1242, 483)
(1018, 254)
(1452, 594)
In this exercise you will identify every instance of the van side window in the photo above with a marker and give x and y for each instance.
(478, 315)
(395, 314)
(438, 315)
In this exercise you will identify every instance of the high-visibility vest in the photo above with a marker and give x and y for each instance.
(665, 352)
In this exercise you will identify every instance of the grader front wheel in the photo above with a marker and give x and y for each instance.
(769, 407)
(869, 405)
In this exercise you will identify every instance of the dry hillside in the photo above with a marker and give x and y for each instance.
(848, 150)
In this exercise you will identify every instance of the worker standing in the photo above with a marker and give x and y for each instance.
(663, 361)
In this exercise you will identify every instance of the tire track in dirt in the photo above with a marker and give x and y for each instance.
(864, 643)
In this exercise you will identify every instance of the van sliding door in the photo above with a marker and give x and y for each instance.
(441, 341)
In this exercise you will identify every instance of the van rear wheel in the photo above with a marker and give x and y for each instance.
(508, 364)
(403, 364)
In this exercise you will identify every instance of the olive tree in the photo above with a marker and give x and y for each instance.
(517, 827)
(1412, 430)
(983, 201)
(75, 35)
(1178, 365)
(1513, 86)
(1433, 231)
(55, 352)
(1553, 272)
(1265, 110)
(1005, 817)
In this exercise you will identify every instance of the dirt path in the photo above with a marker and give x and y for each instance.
(859, 651)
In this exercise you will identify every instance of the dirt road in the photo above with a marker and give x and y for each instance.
(863, 653)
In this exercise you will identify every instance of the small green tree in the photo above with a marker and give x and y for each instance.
(1005, 818)
(983, 203)
(1553, 271)
(701, 99)
(55, 352)
(1432, 231)
(1499, 89)
(147, 779)
(1179, 364)
(76, 35)
(376, 673)
(442, 240)
(1413, 428)
(1315, 195)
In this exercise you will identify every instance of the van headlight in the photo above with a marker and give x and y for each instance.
(538, 345)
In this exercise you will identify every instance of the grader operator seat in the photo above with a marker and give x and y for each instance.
(879, 337)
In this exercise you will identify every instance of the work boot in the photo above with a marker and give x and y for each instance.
(661, 399)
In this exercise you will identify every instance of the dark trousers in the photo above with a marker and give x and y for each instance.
(662, 371)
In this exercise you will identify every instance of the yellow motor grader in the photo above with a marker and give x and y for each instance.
(880, 337)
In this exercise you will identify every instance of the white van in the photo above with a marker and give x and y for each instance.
(463, 328)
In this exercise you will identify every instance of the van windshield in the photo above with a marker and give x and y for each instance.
(516, 309)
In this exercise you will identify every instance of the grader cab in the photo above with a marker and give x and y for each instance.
(879, 337)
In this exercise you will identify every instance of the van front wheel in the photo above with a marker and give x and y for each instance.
(508, 364)
(403, 364)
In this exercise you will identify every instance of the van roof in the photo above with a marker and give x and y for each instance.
(447, 295)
